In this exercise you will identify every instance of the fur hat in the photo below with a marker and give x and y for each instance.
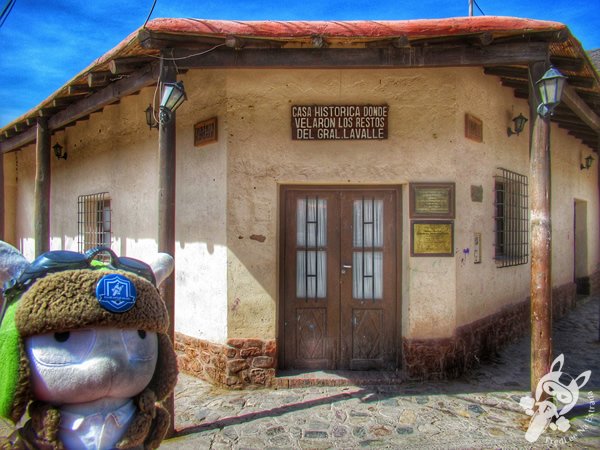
(65, 301)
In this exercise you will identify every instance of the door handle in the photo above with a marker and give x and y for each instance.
(346, 267)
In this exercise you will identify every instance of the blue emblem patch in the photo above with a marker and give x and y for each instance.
(116, 293)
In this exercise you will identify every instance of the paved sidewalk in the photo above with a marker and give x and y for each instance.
(481, 410)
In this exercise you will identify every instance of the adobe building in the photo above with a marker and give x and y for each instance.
(337, 195)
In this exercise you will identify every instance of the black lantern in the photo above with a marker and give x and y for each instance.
(550, 86)
(519, 122)
(150, 120)
(588, 163)
(173, 97)
(58, 151)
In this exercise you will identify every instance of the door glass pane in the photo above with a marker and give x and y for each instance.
(368, 223)
(311, 274)
(367, 262)
(311, 254)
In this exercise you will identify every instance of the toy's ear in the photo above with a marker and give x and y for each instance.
(560, 360)
(585, 376)
(162, 266)
(12, 262)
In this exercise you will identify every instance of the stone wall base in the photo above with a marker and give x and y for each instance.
(238, 364)
(428, 359)
(247, 363)
(594, 283)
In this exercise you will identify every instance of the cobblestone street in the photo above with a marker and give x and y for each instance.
(481, 410)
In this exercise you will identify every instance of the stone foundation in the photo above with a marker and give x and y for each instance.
(238, 364)
(428, 359)
(246, 363)
(594, 283)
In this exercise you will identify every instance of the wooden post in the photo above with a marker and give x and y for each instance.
(541, 238)
(41, 224)
(166, 210)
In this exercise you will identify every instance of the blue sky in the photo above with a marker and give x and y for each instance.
(43, 44)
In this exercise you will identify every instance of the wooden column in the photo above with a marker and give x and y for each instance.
(166, 209)
(41, 226)
(541, 237)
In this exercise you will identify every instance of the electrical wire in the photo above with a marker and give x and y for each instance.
(6, 11)
(480, 10)
(149, 14)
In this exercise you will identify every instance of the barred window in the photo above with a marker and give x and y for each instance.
(511, 218)
(93, 221)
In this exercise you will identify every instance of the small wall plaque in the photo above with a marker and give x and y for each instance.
(432, 200)
(206, 132)
(432, 238)
(473, 128)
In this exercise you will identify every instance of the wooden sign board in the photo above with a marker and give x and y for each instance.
(339, 122)
(206, 132)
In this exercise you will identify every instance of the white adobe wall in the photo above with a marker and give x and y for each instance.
(114, 151)
(227, 284)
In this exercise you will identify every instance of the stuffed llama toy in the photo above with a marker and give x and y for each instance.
(83, 347)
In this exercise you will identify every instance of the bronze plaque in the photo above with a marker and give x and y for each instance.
(432, 200)
(205, 132)
(339, 122)
(432, 238)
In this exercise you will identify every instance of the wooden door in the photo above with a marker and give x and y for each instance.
(340, 272)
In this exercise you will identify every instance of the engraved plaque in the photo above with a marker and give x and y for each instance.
(432, 238)
(432, 200)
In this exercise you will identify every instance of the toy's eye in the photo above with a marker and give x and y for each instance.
(62, 337)
(141, 345)
(54, 349)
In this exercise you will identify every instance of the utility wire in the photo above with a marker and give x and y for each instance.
(6, 11)
(480, 10)
(149, 14)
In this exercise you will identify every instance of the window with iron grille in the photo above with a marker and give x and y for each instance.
(511, 218)
(93, 221)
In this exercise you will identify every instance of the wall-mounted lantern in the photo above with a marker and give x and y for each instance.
(587, 164)
(150, 120)
(173, 97)
(550, 86)
(58, 151)
(519, 122)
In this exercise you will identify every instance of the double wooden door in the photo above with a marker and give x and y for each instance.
(340, 278)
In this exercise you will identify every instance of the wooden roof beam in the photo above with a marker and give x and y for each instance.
(428, 56)
(160, 40)
(98, 79)
(88, 105)
(579, 107)
(120, 66)
(78, 89)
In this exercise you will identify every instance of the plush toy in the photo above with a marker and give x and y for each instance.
(83, 347)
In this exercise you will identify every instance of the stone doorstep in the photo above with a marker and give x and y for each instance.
(285, 379)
